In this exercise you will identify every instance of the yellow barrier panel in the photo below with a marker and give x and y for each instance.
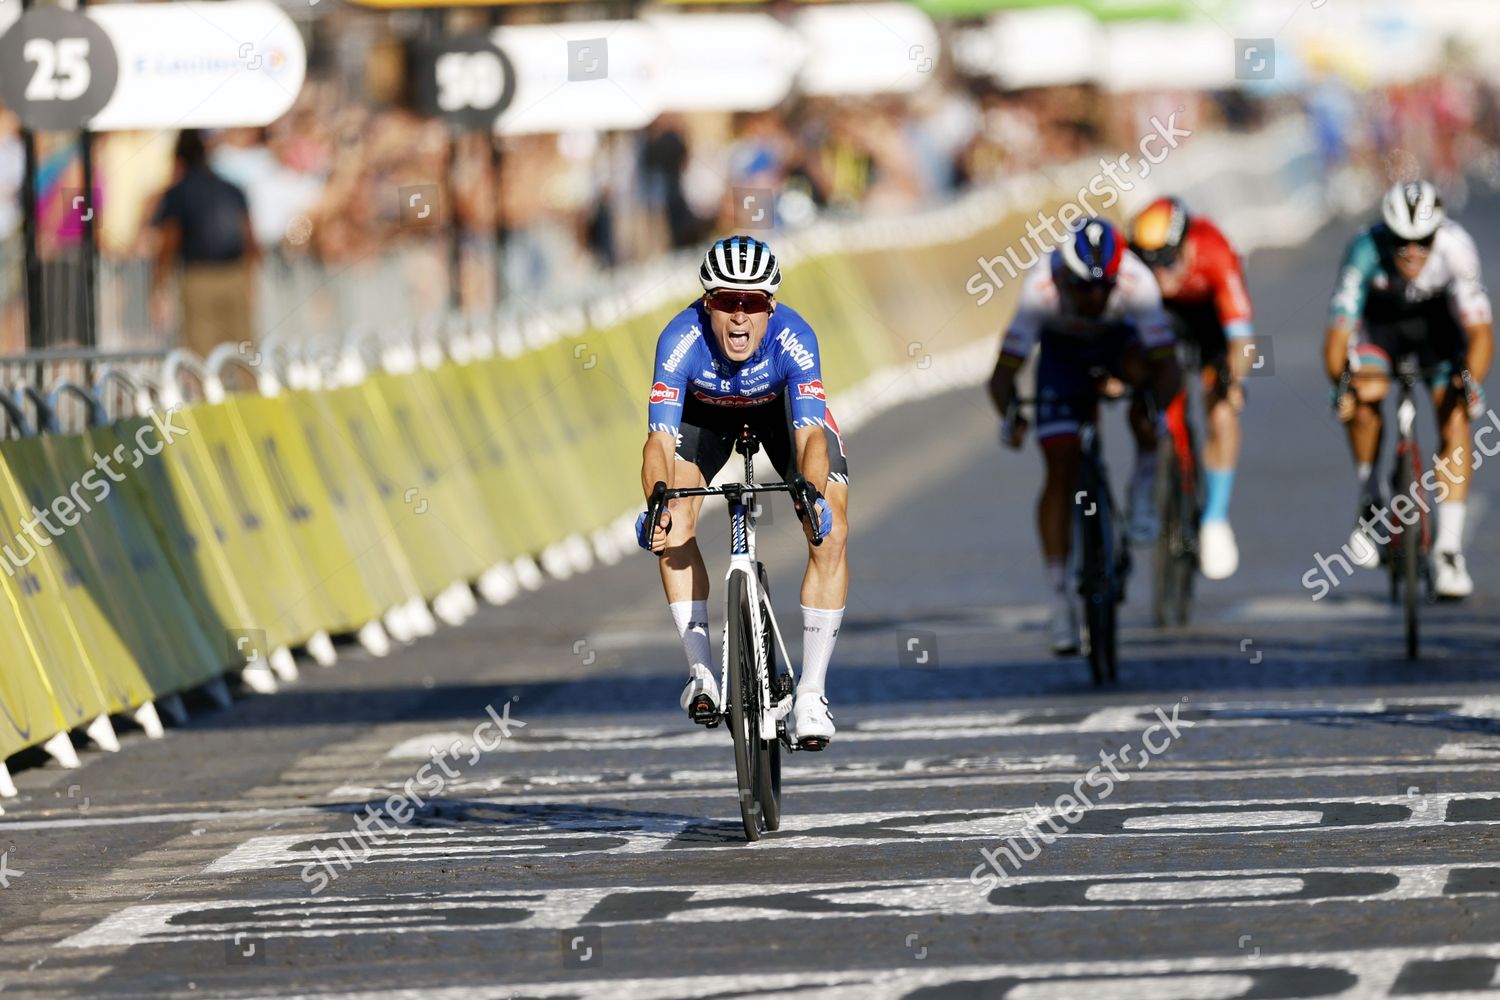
(355, 505)
(295, 596)
(173, 620)
(80, 691)
(110, 590)
(28, 714)
(488, 451)
(426, 420)
(191, 535)
(204, 463)
(397, 486)
(300, 512)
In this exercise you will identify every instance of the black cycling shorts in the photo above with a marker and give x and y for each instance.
(1197, 324)
(1429, 331)
(707, 435)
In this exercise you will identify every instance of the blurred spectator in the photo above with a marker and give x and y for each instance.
(203, 221)
(664, 160)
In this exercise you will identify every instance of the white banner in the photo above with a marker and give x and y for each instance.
(579, 75)
(690, 54)
(862, 49)
(200, 65)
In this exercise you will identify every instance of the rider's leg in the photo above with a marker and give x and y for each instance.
(1141, 501)
(1219, 555)
(825, 587)
(685, 580)
(1054, 520)
(1453, 469)
(1365, 429)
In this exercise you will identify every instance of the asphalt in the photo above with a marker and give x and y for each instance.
(1321, 817)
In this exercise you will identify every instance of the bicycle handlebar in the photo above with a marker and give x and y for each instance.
(802, 492)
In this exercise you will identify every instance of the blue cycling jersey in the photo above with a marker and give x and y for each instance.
(689, 363)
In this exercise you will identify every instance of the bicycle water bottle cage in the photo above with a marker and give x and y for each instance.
(747, 444)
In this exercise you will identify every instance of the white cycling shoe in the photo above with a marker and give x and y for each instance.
(1218, 555)
(1364, 551)
(811, 721)
(700, 699)
(1451, 576)
(1064, 628)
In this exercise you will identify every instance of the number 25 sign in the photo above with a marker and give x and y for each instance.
(60, 69)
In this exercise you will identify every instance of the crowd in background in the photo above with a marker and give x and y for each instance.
(326, 182)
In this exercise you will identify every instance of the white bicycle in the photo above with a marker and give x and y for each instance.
(757, 694)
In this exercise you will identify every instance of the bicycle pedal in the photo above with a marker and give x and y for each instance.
(703, 712)
(813, 743)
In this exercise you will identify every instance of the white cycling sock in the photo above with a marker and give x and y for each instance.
(691, 619)
(1450, 526)
(820, 630)
(1057, 577)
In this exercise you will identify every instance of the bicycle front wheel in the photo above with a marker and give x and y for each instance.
(1411, 555)
(744, 706)
(768, 750)
(1095, 589)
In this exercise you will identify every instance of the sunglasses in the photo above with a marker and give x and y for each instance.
(733, 302)
(1415, 248)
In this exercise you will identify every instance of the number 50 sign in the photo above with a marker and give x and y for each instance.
(60, 69)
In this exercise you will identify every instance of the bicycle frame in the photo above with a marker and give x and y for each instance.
(742, 561)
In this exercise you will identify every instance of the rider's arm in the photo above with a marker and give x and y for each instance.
(812, 457)
(664, 405)
(1231, 299)
(1361, 263)
(1038, 300)
(1471, 303)
(1142, 309)
(801, 365)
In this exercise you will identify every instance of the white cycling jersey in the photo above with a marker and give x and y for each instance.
(1136, 300)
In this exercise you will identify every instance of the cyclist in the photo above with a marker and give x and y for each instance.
(1203, 289)
(1410, 284)
(1095, 307)
(732, 358)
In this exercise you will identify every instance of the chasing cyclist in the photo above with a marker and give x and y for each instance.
(1096, 307)
(1411, 284)
(1203, 290)
(732, 358)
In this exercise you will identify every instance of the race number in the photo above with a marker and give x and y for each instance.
(466, 80)
(61, 69)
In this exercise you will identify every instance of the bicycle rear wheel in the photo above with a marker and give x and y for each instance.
(743, 707)
(1410, 559)
(1094, 580)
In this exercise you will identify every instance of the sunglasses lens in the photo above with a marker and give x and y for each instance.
(739, 302)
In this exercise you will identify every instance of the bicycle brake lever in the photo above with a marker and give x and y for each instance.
(655, 506)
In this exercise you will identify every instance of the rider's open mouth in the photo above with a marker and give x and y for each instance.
(738, 340)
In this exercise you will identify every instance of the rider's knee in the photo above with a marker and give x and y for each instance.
(1371, 390)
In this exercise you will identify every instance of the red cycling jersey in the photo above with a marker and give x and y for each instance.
(1212, 273)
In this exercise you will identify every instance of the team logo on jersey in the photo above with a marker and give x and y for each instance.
(678, 352)
(811, 390)
(794, 348)
(734, 400)
(663, 393)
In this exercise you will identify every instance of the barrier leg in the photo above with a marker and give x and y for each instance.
(398, 624)
(498, 584)
(259, 678)
(463, 599)
(148, 720)
(420, 617)
(218, 691)
(557, 561)
(7, 787)
(527, 573)
(448, 606)
(320, 648)
(284, 664)
(175, 709)
(374, 640)
(102, 732)
(60, 749)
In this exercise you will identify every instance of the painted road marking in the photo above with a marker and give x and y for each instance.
(306, 916)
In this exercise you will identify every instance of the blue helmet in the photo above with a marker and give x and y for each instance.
(1091, 255)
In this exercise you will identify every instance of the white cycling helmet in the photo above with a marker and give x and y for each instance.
(1413, 211)
(743, 263)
